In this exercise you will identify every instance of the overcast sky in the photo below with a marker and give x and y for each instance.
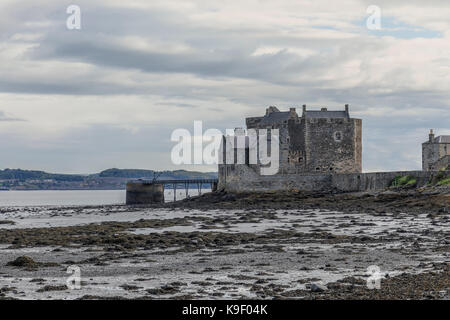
(110, 94)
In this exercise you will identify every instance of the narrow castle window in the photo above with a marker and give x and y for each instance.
(337, 136)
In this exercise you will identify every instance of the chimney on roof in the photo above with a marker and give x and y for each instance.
(431, 136)
(292, 113)
(323, 109)
(346, 110)
(304, 110)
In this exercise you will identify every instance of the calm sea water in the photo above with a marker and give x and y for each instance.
(74, 197)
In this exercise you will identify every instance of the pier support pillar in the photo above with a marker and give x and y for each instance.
(144, 193)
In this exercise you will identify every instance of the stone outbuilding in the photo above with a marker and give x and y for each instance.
(435, 152)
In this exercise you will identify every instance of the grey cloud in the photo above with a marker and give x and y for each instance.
(176, 104)
(91, 149)
(215, 53)
(222, 61)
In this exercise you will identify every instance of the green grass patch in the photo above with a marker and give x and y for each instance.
(444, 182)
(404, 181)
(441, 178)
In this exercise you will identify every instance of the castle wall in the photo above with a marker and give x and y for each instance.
(442, 163)
(284, 147)
(432, 153)
(297, 147)
(241, 178)
(372, 181)
(333, 145)
(320, 145)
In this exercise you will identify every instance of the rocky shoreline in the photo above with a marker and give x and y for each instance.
(434, 200)
(288, 245)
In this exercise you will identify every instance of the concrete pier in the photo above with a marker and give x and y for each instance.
(144, 193)
(149, 191)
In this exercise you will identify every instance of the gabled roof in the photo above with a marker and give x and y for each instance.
(442, 139)
(275, 117)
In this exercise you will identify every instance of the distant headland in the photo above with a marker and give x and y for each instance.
(110, 179)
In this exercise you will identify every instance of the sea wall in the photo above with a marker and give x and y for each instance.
(242, 178)
(376, 180)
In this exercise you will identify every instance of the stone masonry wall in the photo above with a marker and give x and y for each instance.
(241, 178)
(432, 153)
(333, 145)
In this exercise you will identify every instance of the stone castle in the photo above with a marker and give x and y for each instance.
(435, 152)
(319, 150)
(317, 141)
